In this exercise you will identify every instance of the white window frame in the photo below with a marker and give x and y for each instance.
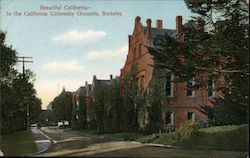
(193, 91)
(192, 117)
(213, 90)
(77, 104)
(172, 118)
(171, 95)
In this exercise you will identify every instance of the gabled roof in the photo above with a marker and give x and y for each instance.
(89, 85)
(190, 24)
(80, 90)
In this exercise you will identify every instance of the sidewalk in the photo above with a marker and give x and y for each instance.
(41, 140)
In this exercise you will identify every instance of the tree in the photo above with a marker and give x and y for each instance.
(156, 98)
(62, 106)
(35, 109)
(98, 101)
(219, 51)
(107, 102)
(117, 103)
(17, 92)
(80, 114)
(130, 94)
(112, 106)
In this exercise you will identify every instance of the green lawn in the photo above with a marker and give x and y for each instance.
(223, 137)
(233, 137)
(18, 144)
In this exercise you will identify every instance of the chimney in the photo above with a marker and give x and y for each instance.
(200, 25)
(111, 77)
(149, 27)
(137, 19)
(94, 77)
(178, 24)
(159, 24)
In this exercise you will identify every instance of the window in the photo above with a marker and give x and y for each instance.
(169, 85)
(77, 105)
(191, 116)
(170, 118)
(139, 50)
(142, 81)
(190, 87)
(211, 88)
(134, 54)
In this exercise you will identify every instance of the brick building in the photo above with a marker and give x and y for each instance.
(183, 101)
(82, 96)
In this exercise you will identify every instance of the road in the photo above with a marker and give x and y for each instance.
(71, 143)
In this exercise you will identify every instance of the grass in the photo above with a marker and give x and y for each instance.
(223, 137)
(18, 144)
(229, 137)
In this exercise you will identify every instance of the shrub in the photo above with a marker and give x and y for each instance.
(187, 131)
(205, 124)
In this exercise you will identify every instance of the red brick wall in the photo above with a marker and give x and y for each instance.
(137, 53)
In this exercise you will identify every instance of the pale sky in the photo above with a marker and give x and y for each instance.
(66, 50)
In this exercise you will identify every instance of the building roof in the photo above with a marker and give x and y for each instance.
(49, 107)
(80, 90)
(89, 85)
(190, 24)
(158, 31)
(104, 82)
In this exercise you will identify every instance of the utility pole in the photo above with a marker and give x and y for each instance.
(23, 61)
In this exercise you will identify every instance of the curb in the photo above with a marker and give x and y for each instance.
(169, 146)
(166, 146)
(185, 148)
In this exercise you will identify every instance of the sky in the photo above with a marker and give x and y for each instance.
(68, 50)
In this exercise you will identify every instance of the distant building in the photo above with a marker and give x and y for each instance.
(101, 81)
(82, 97)
(85, 94)
(49, 107)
